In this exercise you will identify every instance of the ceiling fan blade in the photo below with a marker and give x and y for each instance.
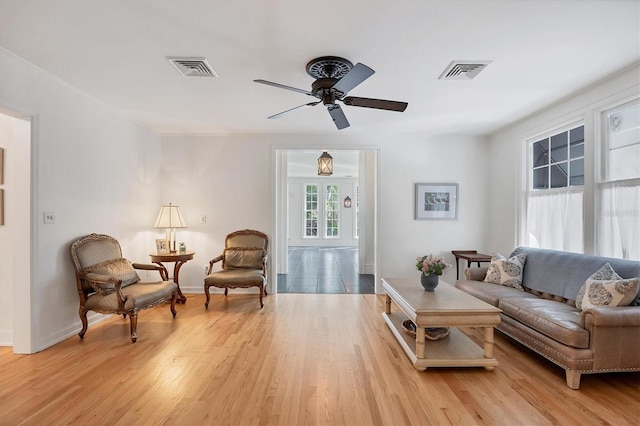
(338, 117)
(282, 86)
(375, 103)
(355, 76)
(280, 114)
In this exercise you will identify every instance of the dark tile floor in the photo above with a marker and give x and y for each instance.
(324, 270)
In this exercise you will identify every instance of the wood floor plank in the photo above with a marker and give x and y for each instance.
(302, 359)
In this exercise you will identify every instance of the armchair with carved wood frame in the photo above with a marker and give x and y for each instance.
(244, 264)
(108, 283)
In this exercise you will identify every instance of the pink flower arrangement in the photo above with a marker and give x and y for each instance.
(431, 265)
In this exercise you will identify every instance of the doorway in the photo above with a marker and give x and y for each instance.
(325, 225)
(15, 233)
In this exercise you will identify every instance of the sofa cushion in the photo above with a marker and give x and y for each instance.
(610, 293)
(490, 293)
(505, 271)
(559, 321)
(238, 277)
(243, 257)
(119, 268)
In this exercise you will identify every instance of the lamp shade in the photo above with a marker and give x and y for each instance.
(170, 217)
(325, 164)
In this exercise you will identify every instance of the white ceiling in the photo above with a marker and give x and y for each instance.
(542, 51)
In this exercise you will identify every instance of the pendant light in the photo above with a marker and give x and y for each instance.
(325, 164)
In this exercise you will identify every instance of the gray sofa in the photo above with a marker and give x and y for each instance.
(544, 316)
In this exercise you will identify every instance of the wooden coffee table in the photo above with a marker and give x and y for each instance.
(445, 307)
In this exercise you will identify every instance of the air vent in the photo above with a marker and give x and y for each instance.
(192, 67)
(463, 70)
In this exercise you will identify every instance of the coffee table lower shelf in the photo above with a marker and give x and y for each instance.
(457, 350)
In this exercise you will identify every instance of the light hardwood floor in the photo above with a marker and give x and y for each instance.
(304, 359)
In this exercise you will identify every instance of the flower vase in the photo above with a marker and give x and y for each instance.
(429, 282)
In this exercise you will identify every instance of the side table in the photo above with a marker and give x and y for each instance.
(470, 256)
(179, 259)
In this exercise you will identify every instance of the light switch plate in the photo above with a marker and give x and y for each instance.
(49, 217)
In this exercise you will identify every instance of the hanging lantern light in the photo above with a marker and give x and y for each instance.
(325, 164)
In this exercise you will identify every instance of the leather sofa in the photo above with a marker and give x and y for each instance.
(543, 315)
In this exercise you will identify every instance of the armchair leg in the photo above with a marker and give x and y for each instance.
(173, 303)
(261, 291)
(206, 293)
(133, 319)
(85, 324)
(226, 290)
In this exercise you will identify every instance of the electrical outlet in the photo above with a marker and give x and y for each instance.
(203, 220)
(206, 270)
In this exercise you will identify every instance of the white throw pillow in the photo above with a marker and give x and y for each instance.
(507, 272)
(606, 288)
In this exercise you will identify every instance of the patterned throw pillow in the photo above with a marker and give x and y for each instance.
(606, 288)
(120, 268)
(507, 272)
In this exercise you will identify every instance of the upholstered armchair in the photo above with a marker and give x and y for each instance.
(108, 283)
(244, 263)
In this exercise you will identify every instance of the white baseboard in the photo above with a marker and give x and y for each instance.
(6, 338)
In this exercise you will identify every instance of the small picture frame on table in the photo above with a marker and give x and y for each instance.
(436, 201)
(162, 246)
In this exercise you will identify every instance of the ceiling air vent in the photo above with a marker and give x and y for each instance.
(463, 70)
(192, 67)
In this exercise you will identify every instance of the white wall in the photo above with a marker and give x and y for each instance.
(96, 171)
(507, 150)
(228, 178)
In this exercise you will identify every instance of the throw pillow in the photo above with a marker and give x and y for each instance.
(243, 257)
(606, 288)
(507, 272)
(119, 268)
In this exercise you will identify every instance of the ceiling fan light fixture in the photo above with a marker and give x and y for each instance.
(325, 164)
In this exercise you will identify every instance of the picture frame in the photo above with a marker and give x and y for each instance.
(162, 246)
(436, 201)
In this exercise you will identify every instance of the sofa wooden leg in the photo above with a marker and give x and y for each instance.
(573, 379)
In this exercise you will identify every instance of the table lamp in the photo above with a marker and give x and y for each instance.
(170, 218)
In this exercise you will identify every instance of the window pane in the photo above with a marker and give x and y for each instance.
(559, 175)
(541, 153)
(576, 177)
(311, 211)
(623, 142)
(541, 178)
(576, 135)
(559, 148)
(577, 150)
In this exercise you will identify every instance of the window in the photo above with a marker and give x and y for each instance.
(311, 211)
(554, 197)
(332, 212)
(558, 161)
(618, 191)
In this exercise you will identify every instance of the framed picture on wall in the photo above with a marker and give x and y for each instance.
(162, 246)
(436, 201)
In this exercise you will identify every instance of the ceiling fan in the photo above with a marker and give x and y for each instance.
(335, 77)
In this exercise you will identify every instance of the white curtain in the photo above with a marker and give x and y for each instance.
(618, 220)
(555, 220)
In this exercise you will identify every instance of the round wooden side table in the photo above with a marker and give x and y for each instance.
(179, 259)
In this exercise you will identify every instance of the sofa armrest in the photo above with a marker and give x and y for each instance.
(614, 337)
(625, 316)
(476, 274)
